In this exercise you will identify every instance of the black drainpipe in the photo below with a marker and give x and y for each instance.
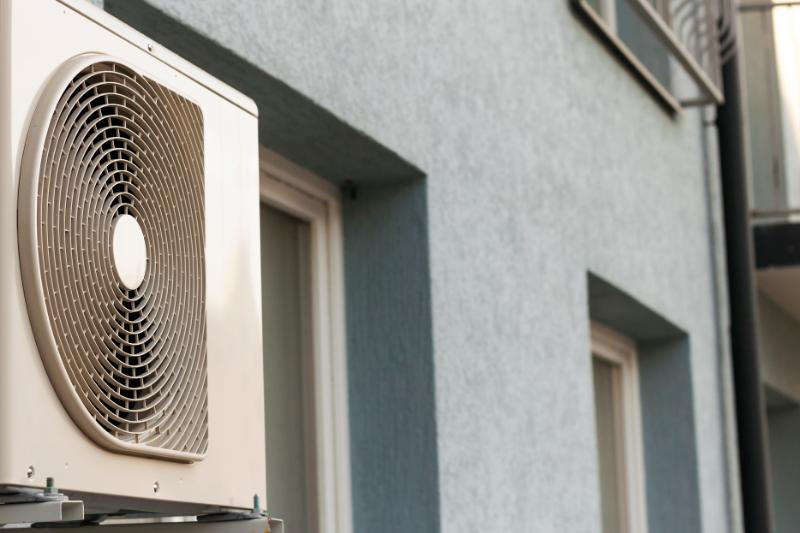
(749, 390)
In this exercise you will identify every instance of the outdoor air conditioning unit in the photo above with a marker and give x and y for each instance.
(130, 329)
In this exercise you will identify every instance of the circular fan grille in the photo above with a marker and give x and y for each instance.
(120, 146)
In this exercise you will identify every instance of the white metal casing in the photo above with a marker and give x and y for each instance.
(36, 38)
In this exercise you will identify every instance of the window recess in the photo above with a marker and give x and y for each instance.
(305, 360)
(675, 47)
(619, 434)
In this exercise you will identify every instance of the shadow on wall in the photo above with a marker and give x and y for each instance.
(392, 403)
(387, 275)
(290, 123)
(668, 426)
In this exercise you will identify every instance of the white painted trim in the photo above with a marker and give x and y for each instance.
(620, 352)
(608, 10)
(281, 169)
(298, 192)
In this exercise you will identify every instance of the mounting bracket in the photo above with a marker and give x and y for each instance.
(44, 511)
(258, 525)
(50, 510)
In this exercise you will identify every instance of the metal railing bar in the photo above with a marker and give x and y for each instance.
(774, 213)
(666, 98)
(683, 56)
(765, 6)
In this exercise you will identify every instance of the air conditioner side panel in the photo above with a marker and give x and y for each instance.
(35, 430)
(7, 211)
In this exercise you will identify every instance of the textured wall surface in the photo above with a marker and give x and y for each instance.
(544, 159)
(390, 360)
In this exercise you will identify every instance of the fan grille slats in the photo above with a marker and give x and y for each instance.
(121, 144)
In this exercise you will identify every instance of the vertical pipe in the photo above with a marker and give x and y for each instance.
(750, 404)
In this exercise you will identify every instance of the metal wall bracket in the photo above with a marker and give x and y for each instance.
(51, 510)
(34, 506)
(45, 511)
(258, 525)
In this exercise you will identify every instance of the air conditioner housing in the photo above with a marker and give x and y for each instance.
(44, 45)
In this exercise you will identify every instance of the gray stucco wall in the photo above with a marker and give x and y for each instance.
(390, 360)
(544, 160)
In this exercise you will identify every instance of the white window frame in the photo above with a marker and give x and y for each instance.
(620, 352)
(304, 195)
(608, 10)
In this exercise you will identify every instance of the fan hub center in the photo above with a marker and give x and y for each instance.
(129, 250)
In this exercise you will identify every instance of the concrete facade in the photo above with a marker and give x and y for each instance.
(779, 338)
(544, 162)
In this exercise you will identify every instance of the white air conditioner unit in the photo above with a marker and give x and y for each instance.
(130, 329)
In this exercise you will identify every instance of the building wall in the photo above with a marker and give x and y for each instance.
(544, 160)
(779, 338)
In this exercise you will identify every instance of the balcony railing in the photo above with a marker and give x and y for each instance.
(695, 35)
